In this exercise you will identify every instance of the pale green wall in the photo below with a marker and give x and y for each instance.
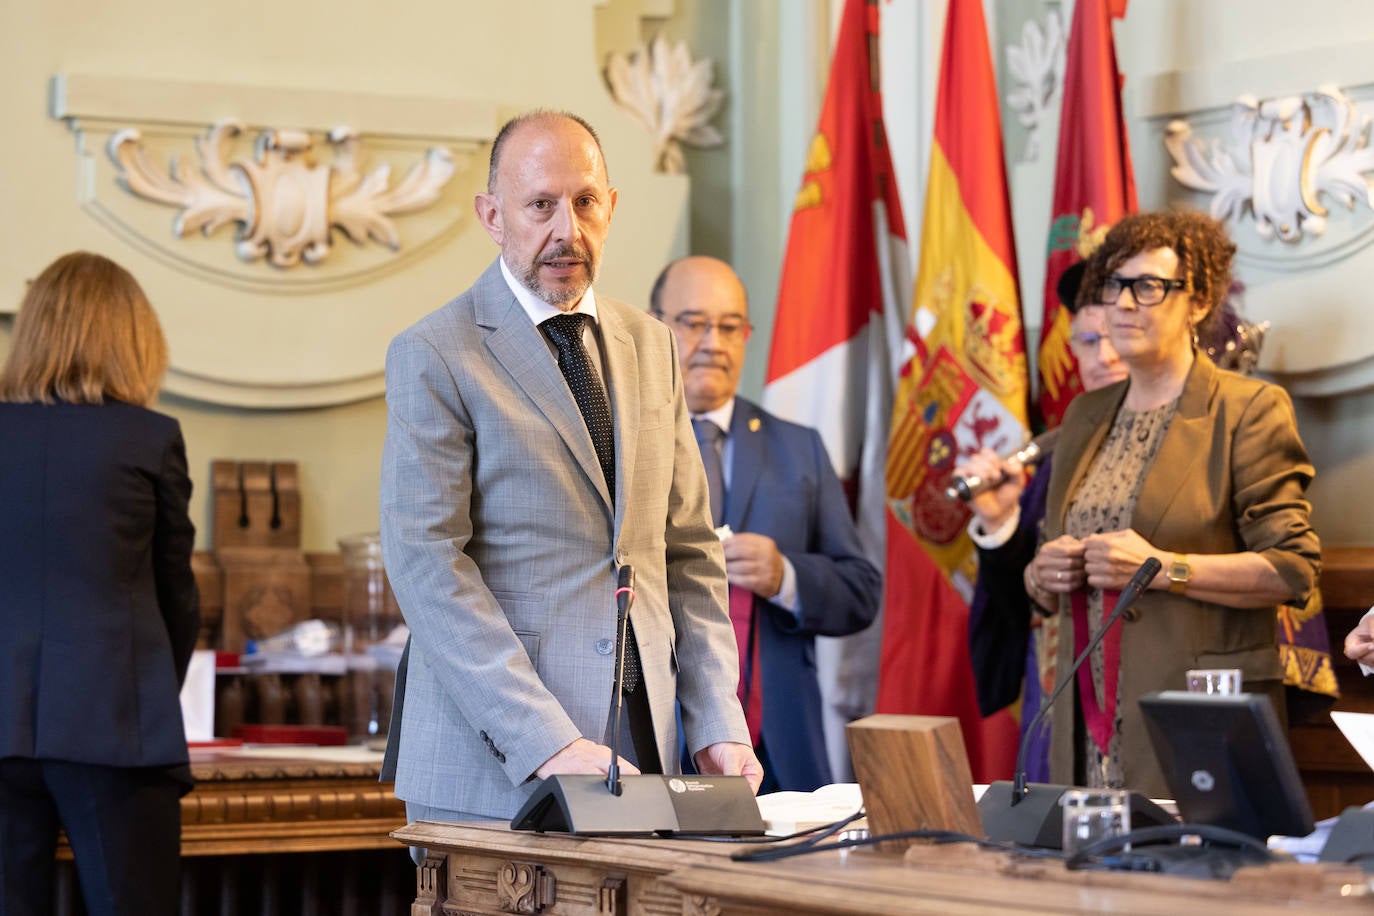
(742, 192)
(771, 57)
(516, 55)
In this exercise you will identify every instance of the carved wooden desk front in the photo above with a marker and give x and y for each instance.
(243, 805)
(485, 869)
(281, 834)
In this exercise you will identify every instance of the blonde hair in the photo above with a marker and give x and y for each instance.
(85, 332)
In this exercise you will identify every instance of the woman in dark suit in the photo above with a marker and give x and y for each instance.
(100, 611)
(1200, 468)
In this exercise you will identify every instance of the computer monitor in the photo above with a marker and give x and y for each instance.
(1227, 762)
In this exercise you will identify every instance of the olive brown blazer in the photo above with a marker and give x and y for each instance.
(1230, 476)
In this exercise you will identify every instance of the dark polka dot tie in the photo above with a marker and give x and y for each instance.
(566, 333)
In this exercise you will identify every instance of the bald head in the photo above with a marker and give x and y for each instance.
(705, 304)
(548, 204)
(539, 117)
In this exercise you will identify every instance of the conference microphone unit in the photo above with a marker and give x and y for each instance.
(642, 805)
(1030, 454)
(1030, 814)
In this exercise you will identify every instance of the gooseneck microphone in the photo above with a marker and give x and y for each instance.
(1129, 596)
(1030, 815)
(1029, 454)
(624, 599)
(674, 804)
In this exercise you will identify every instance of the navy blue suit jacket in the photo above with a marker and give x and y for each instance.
(100, 610)
(782, 485)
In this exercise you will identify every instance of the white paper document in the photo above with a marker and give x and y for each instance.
(1358, 728)
(788, 812)
(198, 697)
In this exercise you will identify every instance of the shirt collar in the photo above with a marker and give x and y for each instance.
(721, 416)
(539, 310)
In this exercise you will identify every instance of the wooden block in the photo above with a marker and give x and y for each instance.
(228, 513)
(256, 504)
(914, 774)
(262, 600)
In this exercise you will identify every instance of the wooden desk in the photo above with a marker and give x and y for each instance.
(487, 869)
(250, 804)
(284, 832)
(243, 805)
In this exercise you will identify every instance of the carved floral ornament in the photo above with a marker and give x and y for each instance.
(670, 95)
(1284, 156)
(285, 202)
(1036, 68)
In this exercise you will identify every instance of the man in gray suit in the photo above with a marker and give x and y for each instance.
(515, 484)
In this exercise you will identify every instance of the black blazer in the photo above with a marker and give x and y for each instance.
(99, 610)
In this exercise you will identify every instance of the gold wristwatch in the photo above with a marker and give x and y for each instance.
(1179, 573)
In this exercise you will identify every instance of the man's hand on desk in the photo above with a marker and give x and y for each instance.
(583, 757)
(727, 758)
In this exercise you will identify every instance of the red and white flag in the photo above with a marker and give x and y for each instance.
(842, 307)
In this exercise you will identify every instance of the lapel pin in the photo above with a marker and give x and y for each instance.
(754, 424)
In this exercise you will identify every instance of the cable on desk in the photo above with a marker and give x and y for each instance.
(820, 831)
(939, 836)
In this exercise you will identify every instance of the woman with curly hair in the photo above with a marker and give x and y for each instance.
(1200, 468)
(100, 610)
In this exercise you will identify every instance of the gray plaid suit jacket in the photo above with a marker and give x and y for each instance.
(502, 546)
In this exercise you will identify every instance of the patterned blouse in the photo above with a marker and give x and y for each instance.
(1103, 503)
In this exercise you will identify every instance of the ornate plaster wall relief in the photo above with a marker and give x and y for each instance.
(670, 95)
(280, 171)
(1284, 160)
(285, 201)
(1270, 145)
(236, 230)
(1036, 69)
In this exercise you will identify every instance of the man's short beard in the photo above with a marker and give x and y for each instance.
(564, 295)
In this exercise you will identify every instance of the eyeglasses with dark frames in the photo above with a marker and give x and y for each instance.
(1146, 289)
(692, 326)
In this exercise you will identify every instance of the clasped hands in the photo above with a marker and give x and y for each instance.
(1102, 561)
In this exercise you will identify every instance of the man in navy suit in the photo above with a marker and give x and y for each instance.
(792, 555)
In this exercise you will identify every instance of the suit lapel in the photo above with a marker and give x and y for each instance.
(1185, 447)
(522, 351)
(1086, 444)
(748, 446)
(622, 384)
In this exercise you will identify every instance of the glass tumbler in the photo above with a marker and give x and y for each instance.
(1094, 814)
(370, 613)
(1223, 681)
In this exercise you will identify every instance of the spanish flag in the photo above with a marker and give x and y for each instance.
(963, 387)
(842, 305)
(1094, 185)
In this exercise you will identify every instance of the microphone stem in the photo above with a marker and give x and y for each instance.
(1128, 597)
(624, 598)
(613, 771)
